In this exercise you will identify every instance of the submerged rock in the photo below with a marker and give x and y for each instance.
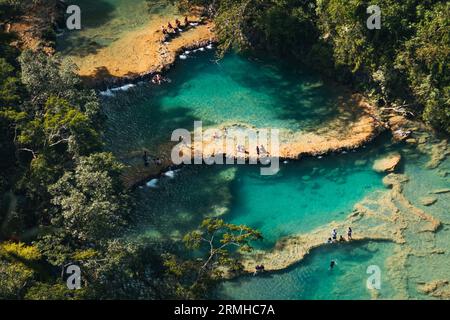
(436, 288)
(387, 163)
(428, 201)
(438, 153)
(438, 191)
(360, 162)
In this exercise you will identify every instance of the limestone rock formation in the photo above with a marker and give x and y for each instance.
(387, 163)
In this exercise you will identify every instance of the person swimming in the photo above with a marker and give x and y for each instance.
(332, 264)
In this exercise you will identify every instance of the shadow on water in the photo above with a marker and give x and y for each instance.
(290, 95)
(296, 94)
(178, 205)
(139, 122)
(94, 14)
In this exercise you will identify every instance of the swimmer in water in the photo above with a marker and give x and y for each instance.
(332, 264)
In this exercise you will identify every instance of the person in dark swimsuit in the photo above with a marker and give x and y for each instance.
(349, 233)
(332, 264)
(334, 235)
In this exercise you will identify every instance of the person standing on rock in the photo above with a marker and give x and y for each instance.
(145, 157)
(349, 233)
(334, 235)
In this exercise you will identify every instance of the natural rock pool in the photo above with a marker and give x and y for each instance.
(303, 196)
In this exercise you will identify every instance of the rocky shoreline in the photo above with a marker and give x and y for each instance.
(351, 135)
(141, 54)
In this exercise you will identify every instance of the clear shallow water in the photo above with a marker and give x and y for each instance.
(312, 278)
(426, 267)
(237, 89)
(303, 196)
(233, 90)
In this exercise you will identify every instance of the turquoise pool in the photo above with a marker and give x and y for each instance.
(304, 195)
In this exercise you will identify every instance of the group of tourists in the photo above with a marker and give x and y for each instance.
(158, 79)
(258, 269)
(147, 160)
(334, 236)
(170, 29)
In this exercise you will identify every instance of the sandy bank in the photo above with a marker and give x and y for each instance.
(355, 125)
(141, 52)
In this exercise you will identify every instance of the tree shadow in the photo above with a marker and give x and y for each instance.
(95, 13)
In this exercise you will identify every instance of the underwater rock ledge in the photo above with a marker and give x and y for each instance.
(385, 216)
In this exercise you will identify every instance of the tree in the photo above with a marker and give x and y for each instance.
(48, 77)
(221, 243)
(91, 202)
(57, 291)
(426, 60)
(17, 268)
